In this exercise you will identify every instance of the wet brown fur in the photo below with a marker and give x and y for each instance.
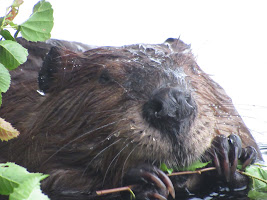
(88, 130)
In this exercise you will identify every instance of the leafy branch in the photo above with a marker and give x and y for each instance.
(128, 188)
(255, 172)
(192, 169)
(36, 28)
(16, 181)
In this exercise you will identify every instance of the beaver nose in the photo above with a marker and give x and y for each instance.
(168, 103)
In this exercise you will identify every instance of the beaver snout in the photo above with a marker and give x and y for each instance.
(168, 106)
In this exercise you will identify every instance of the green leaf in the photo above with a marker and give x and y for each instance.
(258, 177)
(164, 168)
(196, 165)
(260, 173)
(6, 183)
(4, 78)
(29, 190)
(0, 99)
(40, 23)
(256, 195)
(12, 176)
(6, 34)
(12, 54)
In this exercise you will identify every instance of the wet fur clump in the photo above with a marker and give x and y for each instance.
(101, 116)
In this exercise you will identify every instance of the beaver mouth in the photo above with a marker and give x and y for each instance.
(171, 111)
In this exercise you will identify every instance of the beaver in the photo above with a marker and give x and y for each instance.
(110, 116)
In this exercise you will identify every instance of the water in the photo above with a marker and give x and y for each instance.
(221, 194)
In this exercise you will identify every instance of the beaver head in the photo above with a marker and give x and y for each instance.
(111, 108)
(134, 100)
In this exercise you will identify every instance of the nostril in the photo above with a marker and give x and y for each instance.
(158, 108)
(153, 108)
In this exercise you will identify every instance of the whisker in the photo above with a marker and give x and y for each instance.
(109, 136)
(113, 161)
(125, 89)
(122, 171)
(98, 155)
(79, 137)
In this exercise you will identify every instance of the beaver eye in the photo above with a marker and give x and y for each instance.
(104, 78)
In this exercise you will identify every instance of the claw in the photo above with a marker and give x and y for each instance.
(152, 178)
(167, 182)
(222, 148)
(249, 155)
(149, 183)
(225, 153)
(234, 161)
(235, 152)
(225, 164)
(217, 162)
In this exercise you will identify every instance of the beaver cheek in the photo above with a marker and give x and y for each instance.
(168, 108)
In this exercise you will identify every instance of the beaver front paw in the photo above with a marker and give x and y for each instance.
(148, 182)
(226, 151)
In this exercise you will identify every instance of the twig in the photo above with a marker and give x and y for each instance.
(128, 188)
(120, 189)
(192, 172)
(260, 165)
(247, 174)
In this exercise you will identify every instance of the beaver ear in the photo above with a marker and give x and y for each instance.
(59, 69)
(49, 68)
(178, 45)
